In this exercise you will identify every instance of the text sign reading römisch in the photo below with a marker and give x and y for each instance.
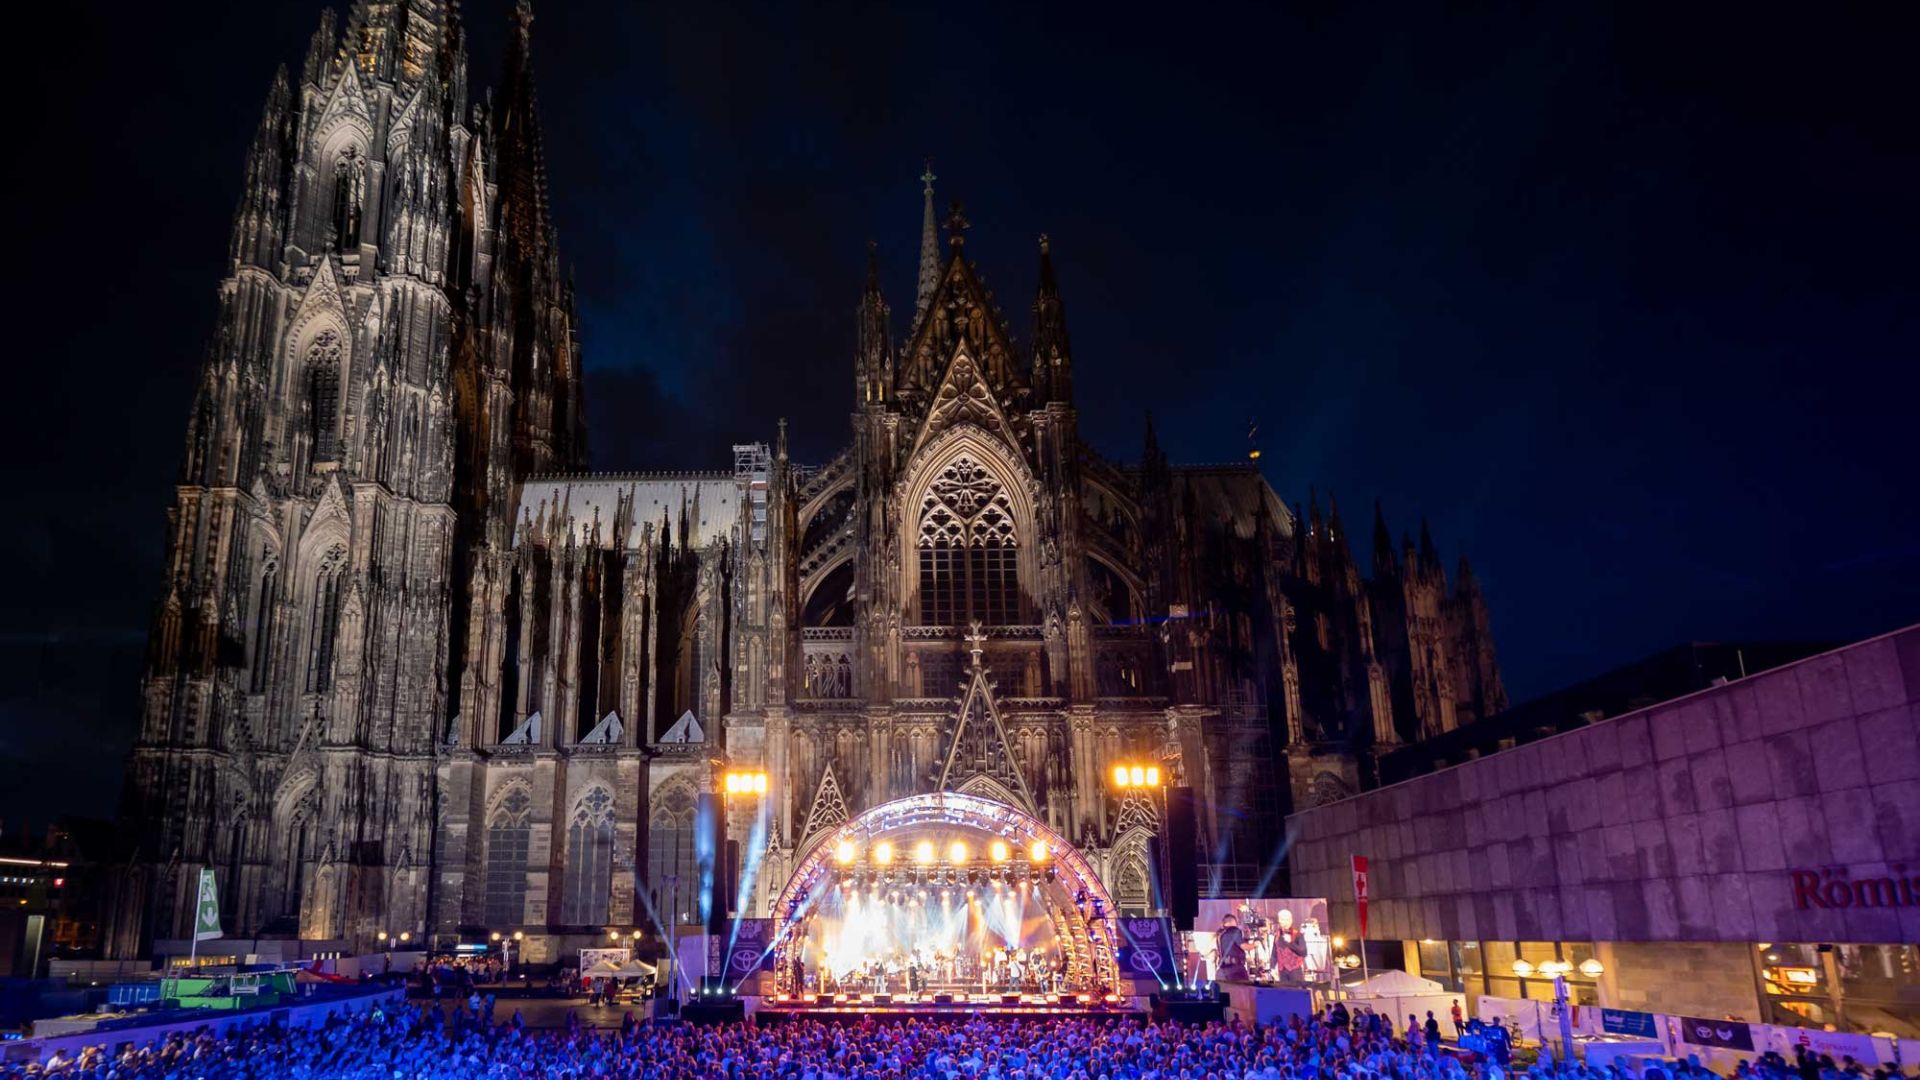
(1835, 889)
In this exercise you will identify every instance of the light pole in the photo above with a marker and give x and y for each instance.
(1146, 778)
(746, 783)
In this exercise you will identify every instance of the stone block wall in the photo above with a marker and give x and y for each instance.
(1681, 822)
(1699, 978)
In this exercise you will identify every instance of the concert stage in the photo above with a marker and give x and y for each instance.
(851, 1008)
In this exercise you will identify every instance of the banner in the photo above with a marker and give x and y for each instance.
(1360, 890)
(206, 909)
(1728, 1034)
(1147, 949)
(593, 958)
(1628, 1022)
(749, 948)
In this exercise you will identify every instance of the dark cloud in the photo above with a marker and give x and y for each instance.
(1622, 298)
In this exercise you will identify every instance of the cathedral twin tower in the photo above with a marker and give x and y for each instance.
(412, 670)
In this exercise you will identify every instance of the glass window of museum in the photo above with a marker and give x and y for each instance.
(1848, 987)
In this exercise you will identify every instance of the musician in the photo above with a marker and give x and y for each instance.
(1289, 949)
(799, 973)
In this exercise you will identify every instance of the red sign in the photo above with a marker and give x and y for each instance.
(1360, 890)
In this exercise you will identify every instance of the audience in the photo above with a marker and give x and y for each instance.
(430, 1045)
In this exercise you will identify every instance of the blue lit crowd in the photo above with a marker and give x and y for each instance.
(428, 1044)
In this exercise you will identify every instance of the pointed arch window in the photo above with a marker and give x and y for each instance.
(589, 870)
(263, 623)
(968, 549)
(349, 197)
(323, 394)
(672, 875)
(325, 619)
(509, 831)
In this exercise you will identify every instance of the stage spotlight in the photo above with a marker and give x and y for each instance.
(973, 877)
(1050, 876)
(1038, 852)
(923, 852)
(883, 853)
(958, 852)
(845, 853)
(999, 851)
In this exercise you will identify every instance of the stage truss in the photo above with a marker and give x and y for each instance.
(1084, 926)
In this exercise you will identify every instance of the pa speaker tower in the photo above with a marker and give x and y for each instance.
(1182, 859)
(710, 852)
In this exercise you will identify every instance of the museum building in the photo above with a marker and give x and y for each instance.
(1750, 852)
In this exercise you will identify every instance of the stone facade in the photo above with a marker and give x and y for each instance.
(414, 669)
(1691, 978)
(1685, 822)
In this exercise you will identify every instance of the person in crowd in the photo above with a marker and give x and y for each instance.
(1459, 1022)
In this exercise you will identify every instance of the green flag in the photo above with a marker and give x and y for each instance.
(206, 910)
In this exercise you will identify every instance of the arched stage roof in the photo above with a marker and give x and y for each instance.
(1019, 828)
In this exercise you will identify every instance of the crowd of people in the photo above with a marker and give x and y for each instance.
(429, 1044)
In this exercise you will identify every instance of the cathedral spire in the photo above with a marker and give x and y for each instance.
(929, 246)
(523, 166)
(874, 366)
(258, 222)
(1429, 553)
(320, 50)
(1052, 354)
(1384, 565)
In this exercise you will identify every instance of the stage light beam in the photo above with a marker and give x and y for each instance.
(845, 853)
(883, 853)
(999, 851)
(958, 852)
(923, 852)
(1038, 852)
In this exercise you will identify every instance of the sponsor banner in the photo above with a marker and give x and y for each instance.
(1835, 1044)
(749, 948)
(1727, 1034)
(1147, 949)
(1628, 1022)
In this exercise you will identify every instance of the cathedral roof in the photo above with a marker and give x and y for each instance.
(1234, 494)
(710, 501)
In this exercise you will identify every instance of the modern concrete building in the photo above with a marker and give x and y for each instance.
(1751, 851)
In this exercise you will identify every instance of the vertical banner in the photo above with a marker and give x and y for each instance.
(206, 909)
(752, 949)
(1147, 951)
(1360, 890)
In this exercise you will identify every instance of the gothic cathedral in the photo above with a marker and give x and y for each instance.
(414, 669)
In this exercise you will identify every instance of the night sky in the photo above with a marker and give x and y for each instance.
(1625, 302)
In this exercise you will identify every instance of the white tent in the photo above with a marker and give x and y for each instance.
(1395, 983)
(634, 969)
(605, 969)
(1397, 994)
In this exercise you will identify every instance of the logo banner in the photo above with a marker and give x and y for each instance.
(1147, 949)
(206, 909)
(1628, 1022)
(1360, 890)
(750, 950)
(1730, 1034)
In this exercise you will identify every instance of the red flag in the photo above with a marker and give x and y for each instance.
(1360, 890)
